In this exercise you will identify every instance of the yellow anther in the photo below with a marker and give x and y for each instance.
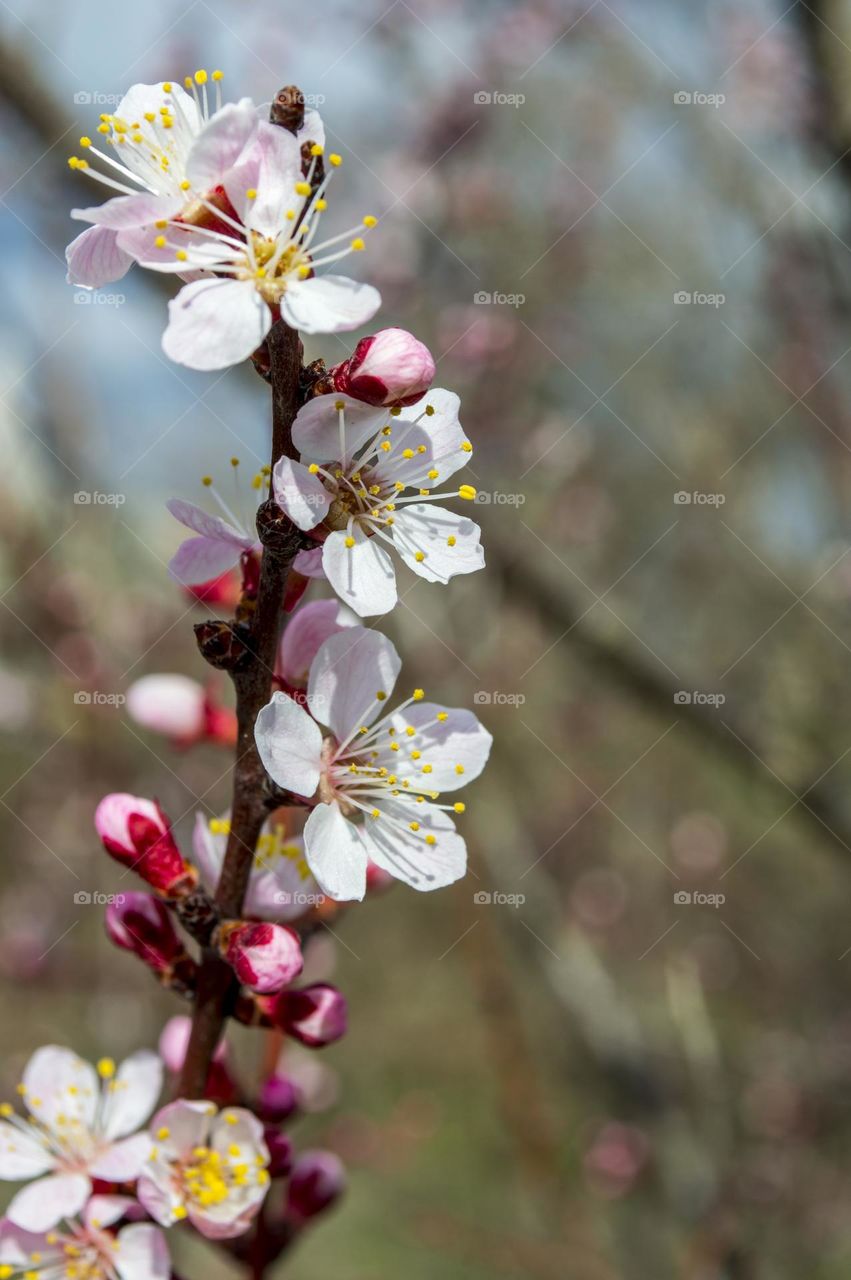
(106, 1068)
(376, 813)
(415, 826)
(317, 150)
(251, 193)
(200, 77)
(429, 410)
(321, 205)
(459, 768)
(433, 474)
(230, 1118)
(381, 695)
(350, 542)
(418, 695)
(394, 746)
(218, 75)
(419, 557)
(206, 481)
(181, 255)
(421, 448)
(185, 184)
(163, 1133)
(303, 188)
(335, 160)
(467, 447)
(407, 453)
(426, 768)
(303, 272)
(339, 404)
(370, 221)
(467, 491)
(451, 540)
(313, 468)
(430, 840)
(6, 1110)
(459, 806)
(410, 730)
(443, 715)
(167, 86)
(85, 142)
(103, 128)
(415, 755)
(159, 243)
(179, 1212)
(385, 446)
(161, 223)
(358, 244)
(423, 492)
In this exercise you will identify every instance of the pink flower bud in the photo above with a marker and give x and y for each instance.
(318, 1179)
(265, 957)
(280, 1152)
(172, 705)
(140, 923)
(278, 1099)
(174, 1041)
(314, 1015)
(137, 834)
(390, 368)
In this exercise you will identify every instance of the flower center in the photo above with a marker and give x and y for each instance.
(211, 1178)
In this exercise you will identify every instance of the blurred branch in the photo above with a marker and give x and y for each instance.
(628, 672)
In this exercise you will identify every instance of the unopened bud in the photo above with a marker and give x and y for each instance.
(314, 1015)
(170, 704)
(318, 1179)
(278, 1099)
(390, 368)
(137, 834)
(265, 957)
(141, 923)
(280, 1152)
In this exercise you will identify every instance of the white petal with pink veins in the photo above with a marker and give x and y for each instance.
(141, 1253)
(124, 1160)
(59, 1083)
(187, 1123)
(125, 213)
(209, 526)
(215, 323)
(220, 144)
(22, 1156)
(290, 745)
(329, 304)
(43, 1203)
(316, 430)
(456, 748)
(348, 673)
(407, 854)
(270, 167)
(301, 495)
(132, 1095)
(335, 853)
(309, 563)
(308, 629)
(198, 560)
(427, 528)
(362, 575)
(436, 443)
(94, 258)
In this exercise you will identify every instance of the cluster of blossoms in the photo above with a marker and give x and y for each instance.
(359, 790)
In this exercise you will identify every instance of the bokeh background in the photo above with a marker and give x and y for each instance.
(622, 227)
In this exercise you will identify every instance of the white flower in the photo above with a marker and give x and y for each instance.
(80, 1119)
(261, 266)
(87, 1250)
(207, 1167)
(376, 782)
(280, 886)
(221, 541)
(165, 153)
(304, 634)
(357, 462)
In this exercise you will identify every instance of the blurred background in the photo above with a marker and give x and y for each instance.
(622, 1046)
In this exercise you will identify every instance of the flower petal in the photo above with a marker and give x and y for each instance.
(270, 167)
(124, 213)
(316, 430)
(42, 1204)
(94, 258)
(362, 575)
(124, 1160)
(220, 143)
(450, 543)
(309, 563)
(436, 443)
(352, 674)
(215, 323)
(140, 1252)
(198, 560)
(22, 1155)
(329, 304)
(59, 1083)
(409, 855)
(290, 745)
(309, 627)
(133, 1094)
(456, 749)
(335, 853)
(103, 1211)
(209, 526)
(180, 1126)
(303, 496)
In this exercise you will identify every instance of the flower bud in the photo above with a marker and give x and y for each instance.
(278, 1099)
(265, 957)
(314, 1015)
(137, 834)
(174, 1041)
(140, 923)
(390, 368)
(318, 1179)
(170, 704)
(280, 1152)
